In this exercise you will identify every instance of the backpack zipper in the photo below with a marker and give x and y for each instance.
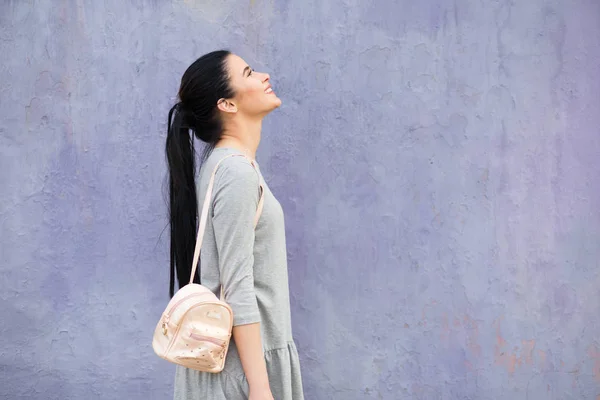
(172, 341)
(207, 339)
(167, 316)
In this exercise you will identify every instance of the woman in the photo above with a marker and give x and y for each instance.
(223, 102)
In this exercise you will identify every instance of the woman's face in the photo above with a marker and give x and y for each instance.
(253, 93)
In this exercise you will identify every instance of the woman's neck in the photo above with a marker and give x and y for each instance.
(243, 137)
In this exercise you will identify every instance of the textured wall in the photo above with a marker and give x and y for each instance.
(438, 163)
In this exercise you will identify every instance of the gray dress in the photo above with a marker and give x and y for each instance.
(252, 265)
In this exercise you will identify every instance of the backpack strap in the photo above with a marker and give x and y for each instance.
(206, 206)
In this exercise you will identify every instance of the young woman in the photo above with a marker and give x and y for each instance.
(223, 102)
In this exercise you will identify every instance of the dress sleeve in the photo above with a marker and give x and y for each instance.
(235, 203)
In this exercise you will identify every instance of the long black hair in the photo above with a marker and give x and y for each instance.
(202, 85)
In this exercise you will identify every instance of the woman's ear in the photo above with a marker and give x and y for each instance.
(226, 106)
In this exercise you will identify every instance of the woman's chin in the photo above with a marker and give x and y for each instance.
(273, 105)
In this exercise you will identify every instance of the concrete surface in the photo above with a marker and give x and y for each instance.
(438, 163)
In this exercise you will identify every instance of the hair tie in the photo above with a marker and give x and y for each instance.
(176, 107)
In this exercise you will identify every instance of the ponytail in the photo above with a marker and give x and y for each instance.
(183, 203)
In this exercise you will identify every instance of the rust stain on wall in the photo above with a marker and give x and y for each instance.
(595, 355)
(508, 358)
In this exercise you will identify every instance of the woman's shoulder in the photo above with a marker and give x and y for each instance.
(233, 161)
(234, 168)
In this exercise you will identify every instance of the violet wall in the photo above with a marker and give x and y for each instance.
(438, 163)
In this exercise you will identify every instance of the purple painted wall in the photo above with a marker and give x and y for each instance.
(438, 163)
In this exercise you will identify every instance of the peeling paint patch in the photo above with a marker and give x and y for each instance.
(472, 330)
(542, 358)
(508, 358)
(594, 353)
(527, 347)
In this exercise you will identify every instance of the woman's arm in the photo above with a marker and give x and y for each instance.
(235, 204)
(249, 344)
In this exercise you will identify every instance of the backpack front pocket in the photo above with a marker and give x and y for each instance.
(201, 351)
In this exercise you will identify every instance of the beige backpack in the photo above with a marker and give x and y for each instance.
(195, 329)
